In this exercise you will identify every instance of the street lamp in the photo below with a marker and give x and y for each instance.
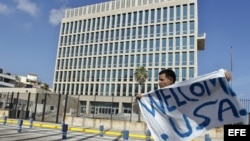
(112, 106)
(94, 105)
(131, 111)
(65, 107)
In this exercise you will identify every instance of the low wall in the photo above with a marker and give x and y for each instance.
(108, 124)
(121, 125)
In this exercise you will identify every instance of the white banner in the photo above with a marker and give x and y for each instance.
(185, 110)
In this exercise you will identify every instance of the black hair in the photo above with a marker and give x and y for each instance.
(168, 73)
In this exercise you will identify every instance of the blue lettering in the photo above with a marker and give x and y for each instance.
(207, 120)
(193, 88)
(178, 102)
(187, 98)
(208, 90)
(223, 85)
(189, 128)
(231, 91)
(166, 97)
(151, 109)
(223, 109)
(164, 137)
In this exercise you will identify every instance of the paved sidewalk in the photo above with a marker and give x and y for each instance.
(9, 133)
(52, 132)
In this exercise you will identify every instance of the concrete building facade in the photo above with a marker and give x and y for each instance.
(6, 80)
(101, 45)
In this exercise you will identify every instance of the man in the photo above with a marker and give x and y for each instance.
(167, 77)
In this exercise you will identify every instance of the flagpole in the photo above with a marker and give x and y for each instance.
(231, 64)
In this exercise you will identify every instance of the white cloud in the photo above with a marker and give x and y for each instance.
(56, 15)
(4, 9)
(27, 6)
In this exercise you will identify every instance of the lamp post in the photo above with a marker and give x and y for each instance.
(112, 107)
(65, 108)
(77, 110)
(94, 105)
(131, 111)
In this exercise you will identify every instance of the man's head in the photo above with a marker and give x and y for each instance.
(166, 77)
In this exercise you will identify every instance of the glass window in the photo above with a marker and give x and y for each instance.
(178, 28)
(152, 31)
(177, 43)
(126, 61)
(191, 58)
(158, 14)
(191, 11)
(178, 12)
(129, 19)
(170, 59)
(191, 41)
(156, 73)
(123, 19)
(157, 44)
(135, 18)
(191, 27)
(184, 58)
(139, 32)
(113, 21)
(164, 29)
(184, 28)
(157, 59)
(145, 31)
(145, 45)
(177, 58)
(191, 72)
(139, 45)
(184, 12)
(150, 59)
(184, 42)
(152, 17)
(171, 29)
(170, 43)
(118, 20)
(140, 17)
(134, 32)
(163, 59)
(128, 33)
(164, 44)
(138, 59)
(171, 13)
(132, 60)
(144, 59)
(165, 14)
(158, 30)
(146, 17)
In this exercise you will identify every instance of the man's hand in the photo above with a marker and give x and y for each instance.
(228, 75)
(138, 96)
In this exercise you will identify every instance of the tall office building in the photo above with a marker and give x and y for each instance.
(101, 45)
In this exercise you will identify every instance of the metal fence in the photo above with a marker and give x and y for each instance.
(45, 107)
(51, 107)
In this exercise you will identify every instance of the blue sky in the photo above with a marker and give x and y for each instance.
(29, 31)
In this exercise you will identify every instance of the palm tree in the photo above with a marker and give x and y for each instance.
(141, 75)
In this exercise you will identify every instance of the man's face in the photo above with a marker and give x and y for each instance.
(164, 81)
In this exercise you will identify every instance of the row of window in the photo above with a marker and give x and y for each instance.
(119, 75)
(158, 15)
(157, 59)
(130, 33)
(108, 89)
(178, 43)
